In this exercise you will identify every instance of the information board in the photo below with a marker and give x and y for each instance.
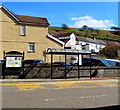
(14, 61)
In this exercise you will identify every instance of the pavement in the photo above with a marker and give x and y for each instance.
(56, 80)
(60, 93)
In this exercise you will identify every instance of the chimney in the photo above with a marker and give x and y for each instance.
(94, 38)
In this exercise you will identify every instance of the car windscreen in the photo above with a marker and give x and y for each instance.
(105, 62)
(39, 61)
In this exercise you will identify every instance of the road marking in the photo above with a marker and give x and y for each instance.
(62, 85)
(67, 85)
(46, 99)
(28, 87)
(41, 83)
(81, 97)
(106, 84)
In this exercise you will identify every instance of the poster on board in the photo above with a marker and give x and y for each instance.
(13, 61)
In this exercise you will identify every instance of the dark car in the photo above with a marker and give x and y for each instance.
(62, 64)
(95, 62)
(2, 61)
(34, 62)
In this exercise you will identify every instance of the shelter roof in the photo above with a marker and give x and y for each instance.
(66, 51)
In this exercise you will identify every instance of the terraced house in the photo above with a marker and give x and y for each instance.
(26, 34)
(72, 41)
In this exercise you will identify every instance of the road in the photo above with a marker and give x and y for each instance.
(69, 94)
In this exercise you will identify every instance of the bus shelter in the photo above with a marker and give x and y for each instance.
(65, 52)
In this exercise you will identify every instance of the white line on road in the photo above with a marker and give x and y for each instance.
(82, 97)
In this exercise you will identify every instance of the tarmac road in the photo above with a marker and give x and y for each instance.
(64, 94)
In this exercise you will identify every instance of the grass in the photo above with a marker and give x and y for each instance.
(99, 34)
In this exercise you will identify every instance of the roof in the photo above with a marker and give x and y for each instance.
(91, 40)
(101, 42)
(66, 37)
(31, 19)
(66, 51)
(21, 19)
(79, 38)
(55, 39)
(65, 40)
(59, 34)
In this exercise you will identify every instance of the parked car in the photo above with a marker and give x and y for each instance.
(113, 62)
(95, 62)
(74, 60)
(2, 61)
(34, 62)
(62, 64)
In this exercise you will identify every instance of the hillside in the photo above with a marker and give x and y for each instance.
(99, 34)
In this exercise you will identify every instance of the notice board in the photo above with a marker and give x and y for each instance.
(14, 61)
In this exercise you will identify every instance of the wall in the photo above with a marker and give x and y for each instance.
(41, 71)
(1, 55)
(44, 72)
(13, 41)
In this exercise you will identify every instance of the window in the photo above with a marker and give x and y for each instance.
(92, 50)
(96, 46)
(23, 30)
(31, 47)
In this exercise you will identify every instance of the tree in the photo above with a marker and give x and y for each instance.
(110, 51)
(86, 30)
(115, 28)
(84, 27)
(64, 26)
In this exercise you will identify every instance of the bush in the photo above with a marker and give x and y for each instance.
(110, 51)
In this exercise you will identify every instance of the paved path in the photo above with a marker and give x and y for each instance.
(65, 94)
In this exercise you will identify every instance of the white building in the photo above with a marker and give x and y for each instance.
(71, 41)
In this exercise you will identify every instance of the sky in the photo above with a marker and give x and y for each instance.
(98, 15)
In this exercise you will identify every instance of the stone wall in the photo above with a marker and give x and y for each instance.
(38, 72)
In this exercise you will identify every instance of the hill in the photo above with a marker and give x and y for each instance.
(99, 34)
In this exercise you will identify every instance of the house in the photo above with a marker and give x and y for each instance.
(77, 42)
(26, 34)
